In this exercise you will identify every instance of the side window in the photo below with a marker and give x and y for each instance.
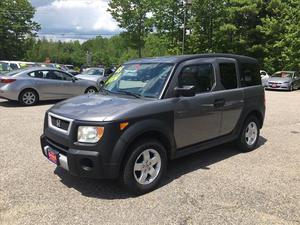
(14, 66)
(63, 76)
(37, 74)
(200, 76)
(228, 75)
(250, 75)
(57, 75)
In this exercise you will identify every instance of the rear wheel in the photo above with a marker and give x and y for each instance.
(91, 90)
(250, 134)
(28, 97)
(144, 167)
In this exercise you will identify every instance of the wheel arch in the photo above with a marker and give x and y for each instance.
(258, 115)
(29, 88)
(152, 129)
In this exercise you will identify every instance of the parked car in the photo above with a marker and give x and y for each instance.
(70, 69)
(15, 65)
(30, 85)
(96, 74)
(284, 80)
(165, 108)
(264, 77)
(4, 68)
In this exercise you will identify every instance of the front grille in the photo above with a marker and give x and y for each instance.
(59, 123)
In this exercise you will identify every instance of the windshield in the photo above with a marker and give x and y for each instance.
(283, 74)
(96, 71)
(144, 80)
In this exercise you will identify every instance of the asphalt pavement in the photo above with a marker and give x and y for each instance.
(217, 186)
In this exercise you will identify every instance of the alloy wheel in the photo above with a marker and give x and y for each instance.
(147, 166)
(29, 98)
(251, 133)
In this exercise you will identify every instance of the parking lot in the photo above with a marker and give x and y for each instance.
(217, 186)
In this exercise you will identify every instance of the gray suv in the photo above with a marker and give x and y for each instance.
(153, 110)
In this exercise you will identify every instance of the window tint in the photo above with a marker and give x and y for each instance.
(200, 76)
(38, 74)
(14, 66)
(250, 75)
(57, 75)
(228, 75)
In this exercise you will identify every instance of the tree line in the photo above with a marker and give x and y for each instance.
(268, 30)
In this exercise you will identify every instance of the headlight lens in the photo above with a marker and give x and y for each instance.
(88, 134)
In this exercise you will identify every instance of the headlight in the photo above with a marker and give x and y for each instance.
(87, 134)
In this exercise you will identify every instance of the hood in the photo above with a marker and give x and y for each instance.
(95, 107)
(280, 79)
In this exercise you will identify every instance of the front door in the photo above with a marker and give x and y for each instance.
(197, 118)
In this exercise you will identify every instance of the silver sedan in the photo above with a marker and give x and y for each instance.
(28, 86)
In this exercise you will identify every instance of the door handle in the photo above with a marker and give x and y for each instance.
(219, 103)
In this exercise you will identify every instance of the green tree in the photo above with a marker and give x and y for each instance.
(16, 28)
(133, 16)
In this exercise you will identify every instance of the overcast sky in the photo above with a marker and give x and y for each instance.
(74, 19)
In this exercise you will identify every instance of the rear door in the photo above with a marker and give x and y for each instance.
(232, 95)
(197, 118)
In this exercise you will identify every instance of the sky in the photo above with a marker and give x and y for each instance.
(67, 20)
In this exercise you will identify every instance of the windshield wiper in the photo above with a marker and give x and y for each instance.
(129, 93)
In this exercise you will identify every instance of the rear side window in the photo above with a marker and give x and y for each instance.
(14, 66)
(38, 74)
(228, 75)
(200, 76)
(250, 75)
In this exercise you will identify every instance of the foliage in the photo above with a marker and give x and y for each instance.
(265, 29)
(16, 28)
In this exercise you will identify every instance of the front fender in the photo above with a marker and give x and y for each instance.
(136, 130)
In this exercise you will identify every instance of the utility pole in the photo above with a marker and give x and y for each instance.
(185, 5)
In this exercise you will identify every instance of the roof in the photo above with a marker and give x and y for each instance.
(181, 58)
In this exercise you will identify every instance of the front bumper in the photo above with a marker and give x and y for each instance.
(81, 163)
(278, 87)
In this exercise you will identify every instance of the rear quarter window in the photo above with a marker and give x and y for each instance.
(228, 75)
(250, 75)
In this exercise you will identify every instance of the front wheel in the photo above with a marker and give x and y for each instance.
(91, 90)
(250, 134)
(144, 167)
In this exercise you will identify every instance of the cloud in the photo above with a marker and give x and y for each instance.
(83, 18)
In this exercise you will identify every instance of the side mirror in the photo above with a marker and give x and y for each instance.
(185, 91)
(107, 73)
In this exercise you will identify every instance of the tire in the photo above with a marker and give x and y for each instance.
(249, 136)
(29, 97)
(291, 87)
(136, 174)
(91, 90)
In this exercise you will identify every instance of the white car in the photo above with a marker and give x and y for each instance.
(14, 65)
(264, 77)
